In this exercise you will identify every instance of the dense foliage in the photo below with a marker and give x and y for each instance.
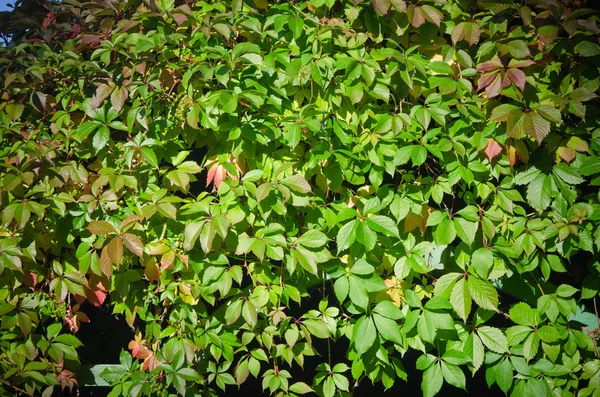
(252, 184)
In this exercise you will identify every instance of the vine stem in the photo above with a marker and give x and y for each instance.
(13, 387)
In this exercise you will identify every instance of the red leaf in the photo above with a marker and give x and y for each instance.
(493, 89)
(150, 363)
(74, 318)
(216, 174)
(97, 292)
(29, 279)
(517, 77)
(486, 79)
(493, 149)
(488, 66)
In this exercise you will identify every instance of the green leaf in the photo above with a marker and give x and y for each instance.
(531, 346)
(504, 375)
(441, 67)
(523, 314)
(433, 379)
(365, 236)
(101, 138)
(317, 328)
(539, 192)
(346, 236)
(465, 230)
(383, 224)
(296, 25)
(364, 334)
(453, 375)
(587, 49)
(460, 298)
(483, 293)
(313, 239)
(297, 183)
(482, 261)
(388, 309)
(493, 339)
(548, 334)
(445, 232)
(566, 291)
(358, 293)
(300, 388)
(388, 329)
(228, 102)
(444, 285)
(191, 233)
(518, 49)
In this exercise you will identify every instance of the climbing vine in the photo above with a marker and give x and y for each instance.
(251, 185)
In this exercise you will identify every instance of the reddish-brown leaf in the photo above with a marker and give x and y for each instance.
(486, 79)
(536, 126)
(74, 318)
(381, 6)
(152, 272)
(134, 244)
(511, 152)
(91, 39)
(180, 18)
(488, 66)
(150, 363)
(415, 16)
(458, 33)
(105, 263)
(184, 259)
(432, 14)
(565, 153)
(472, 33)
(97, 292)
(30, 279)
(166, 261)
(517, 77)
(522, 151)
(115, 250)
(493, 149)
(138, 347)
(118, 98)
(129, 220)
(493, 89)
(102, 92)
(101, 227)
(578, 144)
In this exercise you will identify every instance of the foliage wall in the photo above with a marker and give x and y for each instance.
(251, 184)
